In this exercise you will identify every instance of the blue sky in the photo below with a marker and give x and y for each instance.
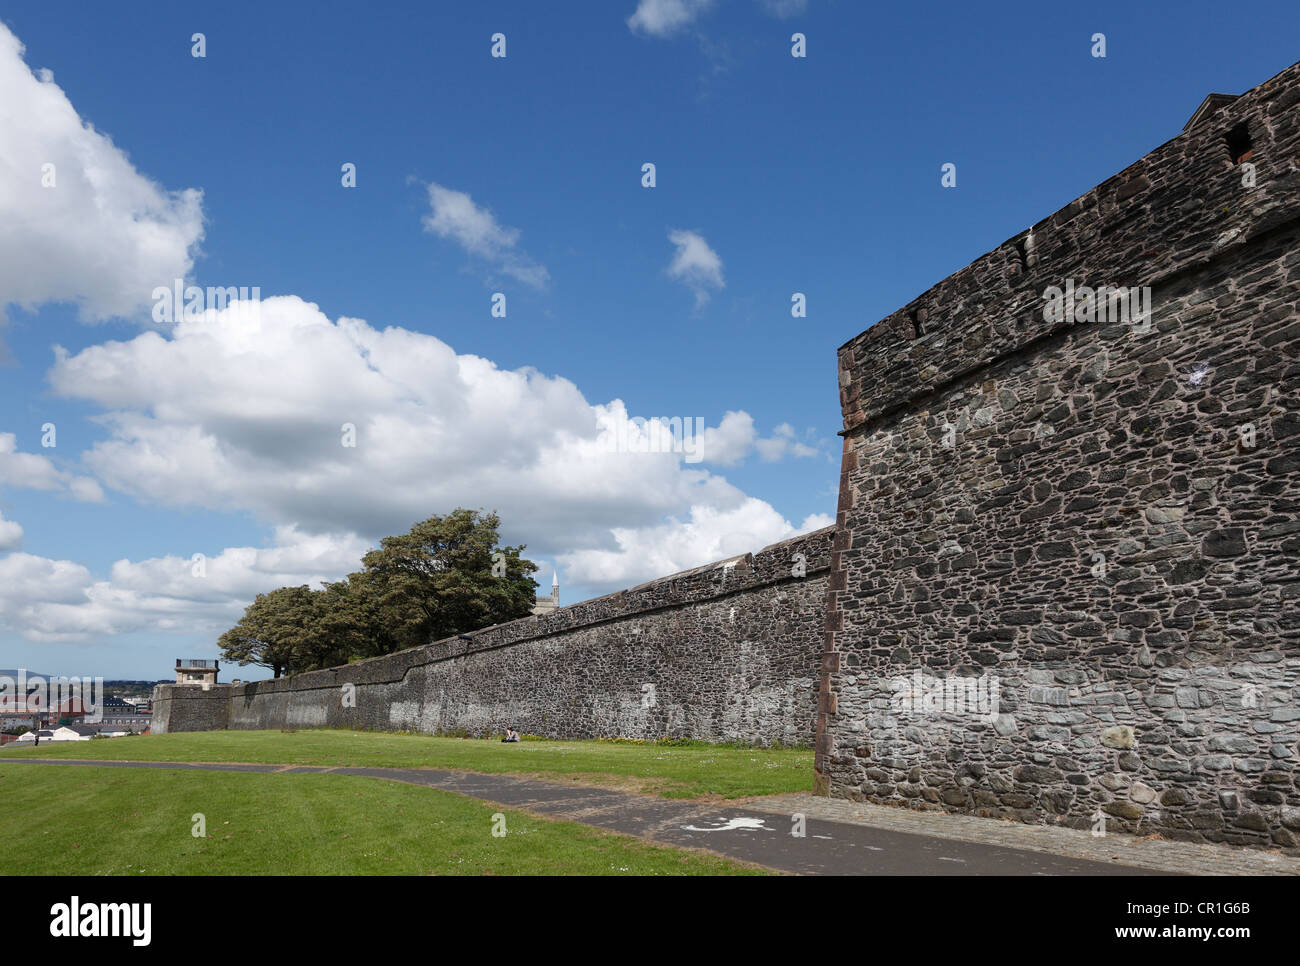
(477, 175)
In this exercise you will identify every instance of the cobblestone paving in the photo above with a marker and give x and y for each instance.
(1183, 857)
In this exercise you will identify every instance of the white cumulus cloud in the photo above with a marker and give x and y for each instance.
(695, 264)
(103, 236)
(453, 215)
(28, 471)
(11, 534)
(728, 442)
(782, 443)
(704, 534)
(660, 18)
(61, 601)
(245, 411)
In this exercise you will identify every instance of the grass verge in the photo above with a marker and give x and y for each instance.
(676, 770)
(107, 821)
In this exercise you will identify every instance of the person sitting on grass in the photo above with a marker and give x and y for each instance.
(511, 735)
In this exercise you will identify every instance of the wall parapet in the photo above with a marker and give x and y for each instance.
(1178, 208)
(770, 566)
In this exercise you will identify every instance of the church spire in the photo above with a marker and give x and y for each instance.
(545, 605)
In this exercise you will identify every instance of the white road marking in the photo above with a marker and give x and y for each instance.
(731, 824)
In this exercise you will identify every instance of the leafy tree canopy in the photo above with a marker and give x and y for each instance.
(448, 575)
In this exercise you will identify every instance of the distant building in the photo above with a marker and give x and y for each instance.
(123, 723)
(19, 717)
(66, 711)
(33, 709)
(196, 670)
(546, 605)
(60, 733)
(21, 709)
(110, 729)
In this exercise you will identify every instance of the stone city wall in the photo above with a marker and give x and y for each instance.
(1066, 571)
(725, 652)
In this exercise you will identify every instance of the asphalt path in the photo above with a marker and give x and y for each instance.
(762, 837)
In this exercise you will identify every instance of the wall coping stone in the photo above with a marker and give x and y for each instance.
(722, 578)
(1131, 230)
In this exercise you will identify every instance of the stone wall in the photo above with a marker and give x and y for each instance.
(1065, 576)
(188, 707)
(726, 652)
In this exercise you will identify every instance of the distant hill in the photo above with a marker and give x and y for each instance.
(132, 689)
(122, 687)
(13, 673)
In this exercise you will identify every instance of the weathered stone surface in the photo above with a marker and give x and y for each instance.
(191, 708)
(1129, 810)
(1136, 486)
(726, 652)
(1229, 542)
(1142, 794)
(1120, 736)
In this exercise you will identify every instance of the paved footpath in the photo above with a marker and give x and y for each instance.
(838, 840)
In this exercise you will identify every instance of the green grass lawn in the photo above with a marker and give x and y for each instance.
(673, 771)
(106, 821)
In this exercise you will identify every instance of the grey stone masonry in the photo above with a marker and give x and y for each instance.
(189, 707)
(1066, 568)
(725, 652)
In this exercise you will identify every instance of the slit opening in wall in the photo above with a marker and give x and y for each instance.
(1022, 252)
(1238, 143)
(918, 322)
(1019, 264)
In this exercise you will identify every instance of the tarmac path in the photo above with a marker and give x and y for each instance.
(748, 831)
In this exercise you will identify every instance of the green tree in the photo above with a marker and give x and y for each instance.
(279, 630)
(347, 621)
(446, 576)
